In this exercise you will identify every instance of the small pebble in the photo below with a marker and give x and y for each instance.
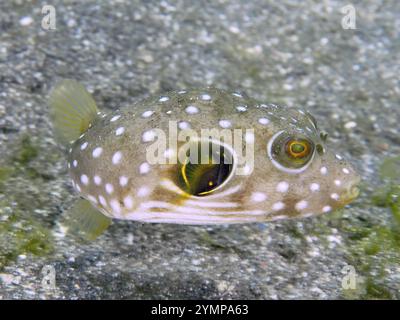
(25, 21)
(350, 125)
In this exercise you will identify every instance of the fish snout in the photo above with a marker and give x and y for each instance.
(351, 190)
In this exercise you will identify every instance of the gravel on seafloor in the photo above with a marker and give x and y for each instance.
(294, 53)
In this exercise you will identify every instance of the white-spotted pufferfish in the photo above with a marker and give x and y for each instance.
(290, 173)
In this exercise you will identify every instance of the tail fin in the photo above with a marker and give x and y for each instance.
(72, 110)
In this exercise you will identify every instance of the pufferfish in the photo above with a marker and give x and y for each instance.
(201, 156)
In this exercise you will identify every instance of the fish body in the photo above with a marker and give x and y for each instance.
(138, 163)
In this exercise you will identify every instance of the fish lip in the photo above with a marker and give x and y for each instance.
(352, 192)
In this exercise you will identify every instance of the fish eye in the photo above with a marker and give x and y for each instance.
(297, 148)
(290, 153)
(207, 167)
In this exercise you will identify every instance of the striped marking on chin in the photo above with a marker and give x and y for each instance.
(182, 210)
(207, 204)
(174, 217)
(227, 192)
(170, 186)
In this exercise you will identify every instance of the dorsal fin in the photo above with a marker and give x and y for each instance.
(72, 110)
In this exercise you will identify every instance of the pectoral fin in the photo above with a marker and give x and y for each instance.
(72, 110)
(84, 221)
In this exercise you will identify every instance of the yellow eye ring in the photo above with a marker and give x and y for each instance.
(298, 148)
(290, 152)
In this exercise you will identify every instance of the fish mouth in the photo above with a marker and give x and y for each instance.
(352, 192)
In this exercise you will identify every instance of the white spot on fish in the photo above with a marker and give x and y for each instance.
(314, 187)
(143, 192)
(117, 157)
(128, 202)
(249, 137)
(258, 196)
(345, 171)
(247, 170)
(109, 188)
(225, 124)
(169, 153)
(144, 168)
(282, 186)
(301, 205)
(84, 145)
(97, 180)
(338, 157)
(148, 136)
(324, 170)
(123, 181)
(119, 131)
(205, 97)
(278, 206)
(192, 110)
(74, 163)
(326, 209)
(84, 179)
(338, 182)
(97, 152)
(147, 114)
(183, 125)
(241, 108)
(103, 201)
(335, 196)
(263, 121)
(115, 206)
(115, 118)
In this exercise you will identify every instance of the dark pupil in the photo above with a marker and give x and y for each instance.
(297, 148)
(205, 177)
(211, 178)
